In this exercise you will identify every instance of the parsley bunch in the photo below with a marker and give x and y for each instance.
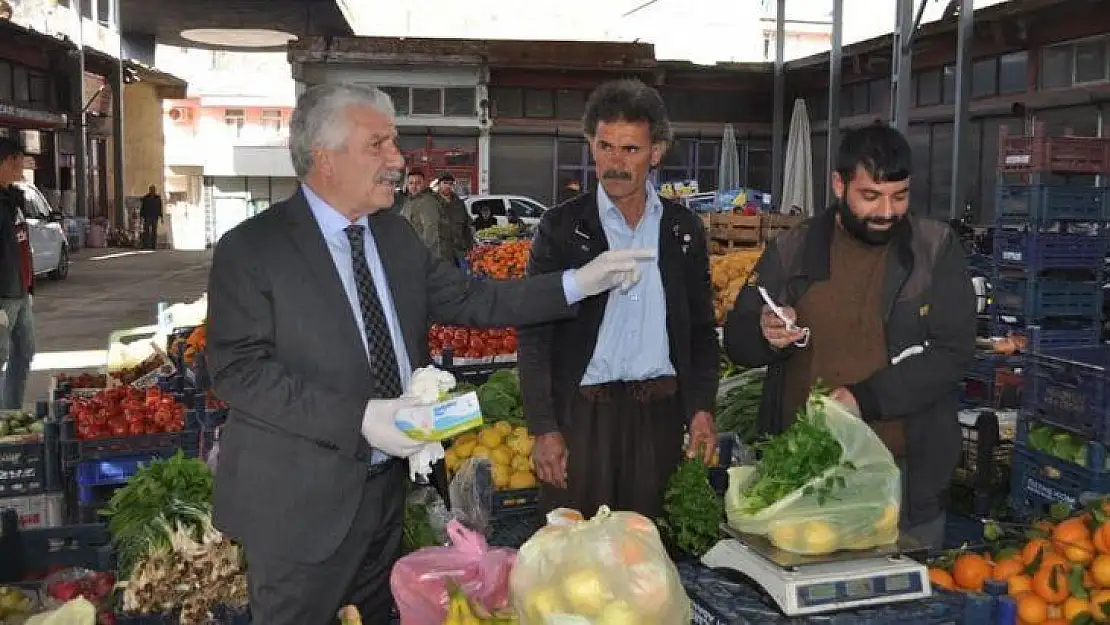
(693, 512)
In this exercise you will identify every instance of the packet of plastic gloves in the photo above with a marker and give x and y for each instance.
(441, 414)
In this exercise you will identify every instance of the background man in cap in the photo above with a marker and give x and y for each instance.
(458, 221)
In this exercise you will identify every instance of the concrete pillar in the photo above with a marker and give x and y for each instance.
(80, 136)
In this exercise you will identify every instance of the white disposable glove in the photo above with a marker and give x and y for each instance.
(615, 268)
(380, 431)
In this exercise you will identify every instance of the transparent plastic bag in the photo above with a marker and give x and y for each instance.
(471, 493)
(861, 513)
(420, 580)
(609, 570)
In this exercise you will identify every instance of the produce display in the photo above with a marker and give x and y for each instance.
(693, 512)
(128, 375)
(1058, 569)
(14, 603)
(471, 342)
(508, 449)
(192, 344)
(738, 405)
(504, 231)
(501, 261)
(461, 610)
(18, 426)
(500, 398)
(83, 380)
(729, 272)
(1063, 445)
(825, 483)
(126, 411)
(66, 585)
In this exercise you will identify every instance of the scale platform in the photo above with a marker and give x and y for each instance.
(842, 580)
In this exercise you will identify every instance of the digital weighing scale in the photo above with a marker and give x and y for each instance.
(842, 580)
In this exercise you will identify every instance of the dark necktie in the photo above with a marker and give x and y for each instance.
(383, 360)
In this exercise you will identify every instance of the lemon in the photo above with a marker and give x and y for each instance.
(504, 427)
(888, 520)
(585, 592)
(451, 460)
(520, 444)
(464, 449)
(819, 537)
(480, 451)
(522, 479)
(489, 437)
(500, 473)
(469, 437)
(785, 535)
(618, 613)
(542, 603)
(501, 455)
(520, 463)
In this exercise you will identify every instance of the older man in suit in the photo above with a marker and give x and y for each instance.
(318, 310)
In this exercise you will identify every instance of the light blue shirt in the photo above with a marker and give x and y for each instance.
(333, 226)
(632, 342)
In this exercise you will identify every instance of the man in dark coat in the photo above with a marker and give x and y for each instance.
(150, 212)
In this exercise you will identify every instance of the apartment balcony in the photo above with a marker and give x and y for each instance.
(58, 21)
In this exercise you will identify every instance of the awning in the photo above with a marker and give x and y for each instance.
(21, 118)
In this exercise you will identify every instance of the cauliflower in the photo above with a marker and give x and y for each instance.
(430, 384)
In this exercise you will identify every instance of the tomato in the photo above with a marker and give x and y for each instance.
(510, 344)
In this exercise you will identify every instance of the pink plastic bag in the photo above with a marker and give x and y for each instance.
(419, 580)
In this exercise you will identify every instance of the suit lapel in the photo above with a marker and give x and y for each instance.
(398, 274)
(309, 242)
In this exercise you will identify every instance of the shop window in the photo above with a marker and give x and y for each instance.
(271, 121)
(39, 85)
(459, 102)
(1056, 67)
(87, 9)
(1090, 61)
(539, 103)
(5, 81)
(861, 104)
(235, 120)
(1013, 73)
(878, 97)
(679, 155)
(104, 12)
(507, 102)
(928, 88)
(427, 101)
(948, 84)
(400, 97)
(846, 95)
(570, 103)
(571, 152)
(709, 154)
(984, 78)
(21, 85)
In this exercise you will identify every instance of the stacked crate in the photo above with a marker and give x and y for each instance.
(29, 473)
(1050, 250)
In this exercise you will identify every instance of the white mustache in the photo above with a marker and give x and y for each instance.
(390, 176)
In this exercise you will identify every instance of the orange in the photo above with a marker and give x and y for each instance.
(1081, 551)
(1033, 548)
(1019, 584)
(1051, 584)
(1069, 533)
(941, 578)
(1100, 598)
(1054, 559)
(1100, 570)
(1055, 621)
(1102, 538)
(1074, 607)
(1045, 526)
(1005, 569)
(1031, 608)
(970, 570)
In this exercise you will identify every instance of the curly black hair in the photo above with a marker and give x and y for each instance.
(628, 100)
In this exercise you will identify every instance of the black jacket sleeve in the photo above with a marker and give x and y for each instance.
(920, 380)
(534, 342)
(744, 341)
(705, 348)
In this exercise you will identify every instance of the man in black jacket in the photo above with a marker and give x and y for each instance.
(890, 311)
(150, 212)
(17, 332)
(609, 394)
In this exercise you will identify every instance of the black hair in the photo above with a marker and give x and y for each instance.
(416, 172)
(10, 147)
(882, 151)
(628, 100)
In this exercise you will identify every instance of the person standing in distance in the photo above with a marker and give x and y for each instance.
(610, 393)
(150, 213)
(318, 310)
(891, 313)
(17, 280)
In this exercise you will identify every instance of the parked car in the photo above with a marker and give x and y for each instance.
(526, 208)
(49, 246)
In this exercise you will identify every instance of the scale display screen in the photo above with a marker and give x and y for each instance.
(898, 583)
(859, 589)
(821, 593)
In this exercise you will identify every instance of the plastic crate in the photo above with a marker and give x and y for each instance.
(986, 434)
(1067, 388)
(161, 445)
(1096, 455)
(43, 550)
(1039, 203)
(1034, 251)
(1041, 153)
(36, 511)
(221, 615)
(1033, 298)
(1052, 333)
(513, 531)
(1040, 480)
(23, 468)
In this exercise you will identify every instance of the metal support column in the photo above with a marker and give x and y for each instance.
(836, 66)
(119, 216)
(80, 136)
(902, 66)
(964, 36)
(778, 132)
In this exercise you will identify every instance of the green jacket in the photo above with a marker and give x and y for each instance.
(426, 214)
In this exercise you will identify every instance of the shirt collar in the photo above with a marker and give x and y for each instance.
(606, 206)
(331, 221)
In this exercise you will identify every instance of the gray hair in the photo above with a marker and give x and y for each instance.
(320, 119)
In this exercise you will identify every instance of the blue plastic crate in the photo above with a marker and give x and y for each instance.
(1091, 464)
(1040, 481)
(1037, 298)
(986, 364)
(1053, 333)
(108, 472)
(1044, 202)
(1037, 251)
(1067, 388)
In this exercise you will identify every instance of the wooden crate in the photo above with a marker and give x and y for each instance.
(772, 225)
(735, 230)
(1039, 153)
(706, 219)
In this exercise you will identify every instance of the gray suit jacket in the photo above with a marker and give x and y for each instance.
(284, 352)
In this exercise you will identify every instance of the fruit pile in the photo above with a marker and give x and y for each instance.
(83, 380)
(503, 261)
(508, 449)
(126, 411)
(69, 584)
(127, 375)
(729, 272)
(1059, 573)
(471, 342)
(190, 345)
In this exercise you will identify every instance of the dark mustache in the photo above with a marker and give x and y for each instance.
(881, 221)
(616, 174)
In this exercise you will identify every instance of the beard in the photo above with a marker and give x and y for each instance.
(859, 228)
